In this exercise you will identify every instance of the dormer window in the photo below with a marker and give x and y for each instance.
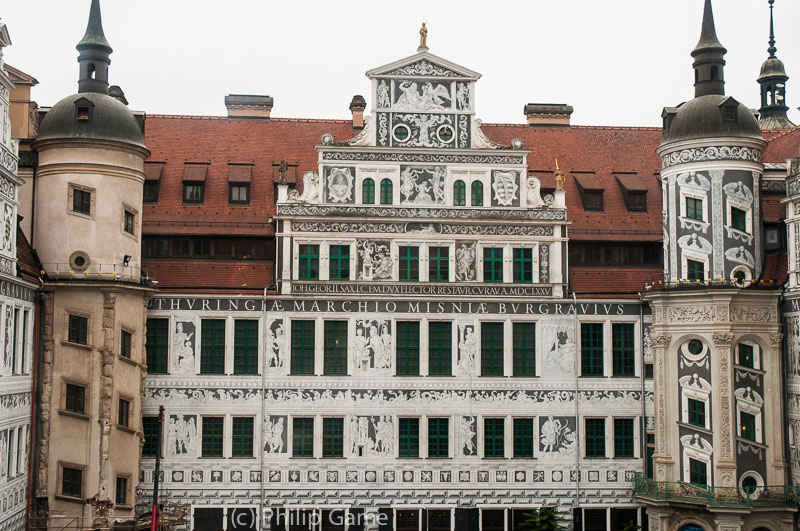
(730, 114)
(83, 110)
(730, 110)
(83, 113)
(591, 191)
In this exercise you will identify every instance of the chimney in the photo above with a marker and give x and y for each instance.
(357, 107)
(116, 92)
(248, 107)
(548, 115)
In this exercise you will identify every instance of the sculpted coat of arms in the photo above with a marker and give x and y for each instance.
(340, 185)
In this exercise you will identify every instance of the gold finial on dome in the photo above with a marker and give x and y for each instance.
(559, 177)
(423, 38)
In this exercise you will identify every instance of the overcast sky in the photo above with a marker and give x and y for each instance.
(618, 62)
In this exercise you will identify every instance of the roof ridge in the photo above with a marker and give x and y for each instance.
(208, 117)
(604, 127)
(784, 133)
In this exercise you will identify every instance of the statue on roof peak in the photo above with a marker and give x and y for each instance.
(423, 38)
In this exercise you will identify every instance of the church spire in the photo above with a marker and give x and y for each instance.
(94, 54)
(709, 59)
(772, 49)
(772, 80)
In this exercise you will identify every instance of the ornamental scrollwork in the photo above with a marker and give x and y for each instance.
(423, 68)
(310, 210)
(421, 157)
(686, 314)
(712, 153)
(775, 339)
(660, 340)
(757, 314)
(723, 339)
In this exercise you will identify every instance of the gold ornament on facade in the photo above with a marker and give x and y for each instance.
(559, 178)
(423, 37)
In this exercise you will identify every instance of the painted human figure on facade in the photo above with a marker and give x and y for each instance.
(273, 435)
(468, 435)
(383, 95)
(467, 348)
(462, 97)
(465, 260)
(276, 346)
(181, 435)
(184, 350)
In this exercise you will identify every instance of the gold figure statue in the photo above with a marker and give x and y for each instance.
(559, 178)
(423, 36)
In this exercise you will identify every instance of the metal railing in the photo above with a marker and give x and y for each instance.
(95, 272)
(678, 491)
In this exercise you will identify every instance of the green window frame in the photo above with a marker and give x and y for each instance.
(623, 350)
(368, 191)
(438, 438)
(459, 193)
(308, 262)
(339, 262)
(694, 208)
(695, 270)
(245, 346)
(523, 265)
(387, 192)
(150, 427)
(242, 437)
(494, 438)
(78, 329)
(492, 349)
(747, 426)
(213, 428)
(74, 399)
(524, 344)
(407, 355)
(595, 438)
(440, 348)
(523, 438)
(591, 349)
(212, 350)
(438, 264)
(302, 349)
(698, 473)
(123, 412)
(476, 193)
(14, 344)
(739, 219)
(409, 264)
(408, 438)
(746, 358)
(623, 438)
(71, 482)
(335, 348)
(493, 264)
(697, 412)
(303, 437)
(332, 437)
(157, 345)
(650, 451)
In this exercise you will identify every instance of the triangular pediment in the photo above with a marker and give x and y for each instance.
(5, 40)
(424, 64)
(18, 77)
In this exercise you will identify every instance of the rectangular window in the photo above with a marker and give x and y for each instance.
(523, 438)
(121, 494)
(695, 270)
(72, 482)
(332, 437)
(157, 345)
(651, 450)
(438, 438)
(245, 346)
(308, 262)
(242, 440)
(150, 192)
(78, 329)
(212, 351)
(440, 348)
(739, 219)
(150, 427)
(524, 339)
(409, 264)
(439, 264)
(698, 473)
(239, 194)
(212, 436)
(623, 438)
(303, 437)
(193, 192)
(694, 208)
(493, 264)
(23, 365)
(623, 350)
(595, 437)
(493, 438)
(591, 349)
(407, 348)
(491, 349)
(523, 266)
(408, 433)
(648, 371)
(697, 413)
(746, 356)
(125, 342)
(81, 201)
(124, 413)
(302, 361)
(335, 350)
(129, 222)
(339, 262)
(75, 399)
(748, 426)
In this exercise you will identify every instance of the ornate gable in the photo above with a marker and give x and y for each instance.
(423, 64)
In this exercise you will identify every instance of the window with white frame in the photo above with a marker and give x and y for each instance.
(695, 401)
(696, 459)
(749, 418)
(748, 354)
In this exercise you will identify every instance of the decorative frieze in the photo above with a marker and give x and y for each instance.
(441, 290)
(420, 212)
(8, 160)
(437, 158)
(685, 156)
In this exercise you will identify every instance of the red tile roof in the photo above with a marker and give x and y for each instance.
(28, 264)
(209, 276)
(590, 282)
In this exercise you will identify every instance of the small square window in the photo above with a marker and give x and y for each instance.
(695, 270)
(82, 113)
(81, 201)
(75, 398)
(239, 194)
(694, 208)
(150, 191)
(739, 219)
(72, 482)
(125, 344)
(78, 329)
(123, 413)
(193, 192)
(129, 222)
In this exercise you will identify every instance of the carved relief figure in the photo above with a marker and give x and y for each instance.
(428, 97)
(557, 437)
(384, 436)
(462, 97)
(534, 193)
(467, 348)
(559, 348)
(504, 184)
(423, 126)
(740, 255)
(383, 95)
(422, 185)
(693, 242)
(468, 435)
(738, 193)
(273, 435)
(361, 442)
(3, 453)
(376, 261)
(310, 189)
(181, 434)
(9, 345)
(340, 185)
(275, 354)
(183, 348)
(465, 261)
(373, 344)
(8, 228)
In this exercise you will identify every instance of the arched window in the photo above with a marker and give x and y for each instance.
(696, 75)
(459, 193)
(90, 71)
(477, 193)
(368, 192)
(714, 73)
(386, 192)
